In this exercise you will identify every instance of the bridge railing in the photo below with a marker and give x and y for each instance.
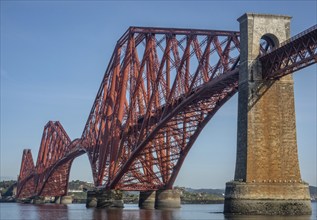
(299, 35)
(295, 37)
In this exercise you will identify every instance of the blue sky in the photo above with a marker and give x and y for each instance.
(54, 54)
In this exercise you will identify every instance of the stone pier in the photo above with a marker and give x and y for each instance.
(147, 200)
(66, 200)
(109, 199)
(167, 199)
(91, 201)
(267, 198)
(38, 200)
(267, 176)
(57, 200)
(63, 200)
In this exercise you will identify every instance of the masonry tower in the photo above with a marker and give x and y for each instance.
(267, 176)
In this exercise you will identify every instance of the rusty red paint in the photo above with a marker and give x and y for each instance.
(160, 89)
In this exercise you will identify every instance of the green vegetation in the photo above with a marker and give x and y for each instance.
(131, 197)
(77, 189)
(6, 188)
(80, 185)
(203, 196)
(188, 195)
(78, 197)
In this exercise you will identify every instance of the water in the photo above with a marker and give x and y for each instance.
(131, 211)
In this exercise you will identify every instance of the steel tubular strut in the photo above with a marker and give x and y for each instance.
(160, 88)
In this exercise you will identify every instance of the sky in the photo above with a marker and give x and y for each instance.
(54, 54)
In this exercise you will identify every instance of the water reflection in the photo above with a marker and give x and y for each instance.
(135, 214)
(30, 211)
(23, 212)
(262, 217)
(146, 214)
(107, 214)
(79, 211)
(47, 211)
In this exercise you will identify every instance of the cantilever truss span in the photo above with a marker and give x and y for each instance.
(157, 94)
(160, 89)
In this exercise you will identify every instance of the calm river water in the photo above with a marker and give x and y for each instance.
(130, 212)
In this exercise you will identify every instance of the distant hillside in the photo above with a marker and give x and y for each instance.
(219, 192)
(80, 185)
(83, 186)
(215, 193)
(200, 196)
(6, 187)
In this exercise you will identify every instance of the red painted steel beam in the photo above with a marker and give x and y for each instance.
(161, 87)
(26, 170)
(151, 70)
(231, 80)
(294, 54)
(50, 175)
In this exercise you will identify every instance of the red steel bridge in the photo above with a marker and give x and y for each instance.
(160, 89)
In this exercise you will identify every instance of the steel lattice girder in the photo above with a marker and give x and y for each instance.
(294, 54)
(53, 164)
(151, 72)
(160, 89)
(25, 188)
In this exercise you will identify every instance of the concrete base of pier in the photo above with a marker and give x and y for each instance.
(267, 199)
(91, 201)
(167, 199)
(147, 200)
(66, 200)
(57, 200)
(38, 200)
(109, 199)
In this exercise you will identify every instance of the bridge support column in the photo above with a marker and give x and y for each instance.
(147, 200)
(267, 175)
(57, 200)
(167, 199)
(91, 201)
(110, 199)
(38, 200)
(267, 198)
(66, 200)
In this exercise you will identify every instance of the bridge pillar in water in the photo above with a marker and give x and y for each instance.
(38, 200)
(167, 199)
(147, 199)
(66, 200)
(91, 201)
(109, 199)
(57, 200)
(267, 176)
